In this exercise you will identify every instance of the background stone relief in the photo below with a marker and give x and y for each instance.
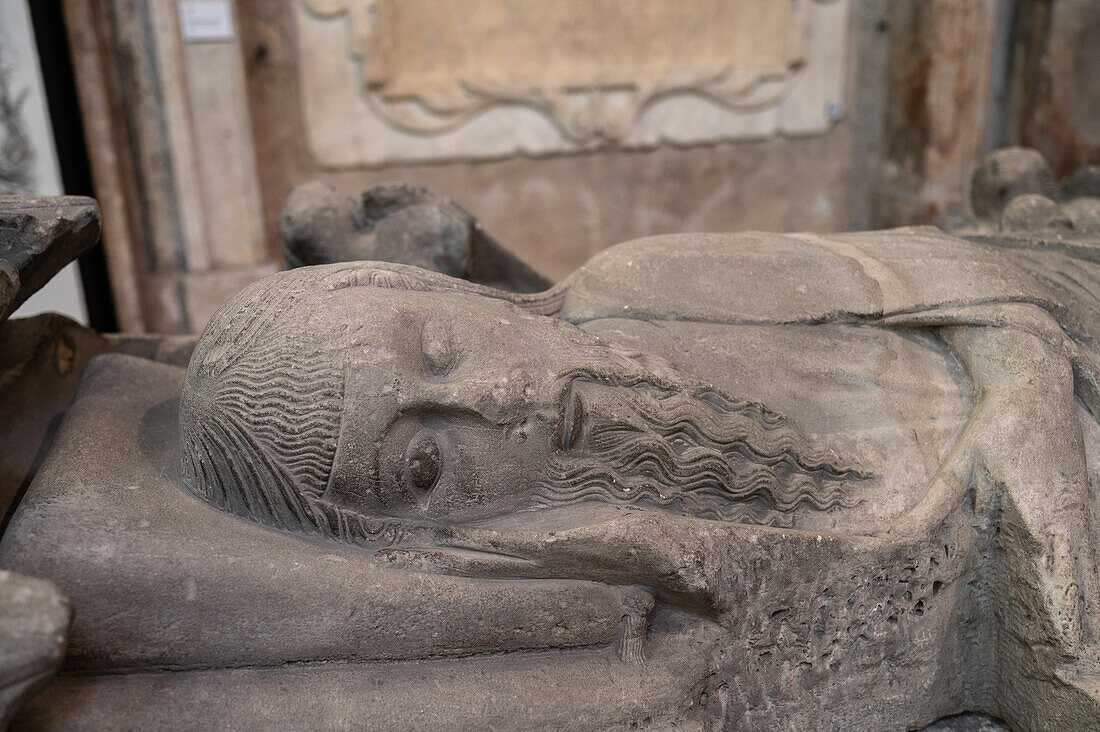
(429, 80)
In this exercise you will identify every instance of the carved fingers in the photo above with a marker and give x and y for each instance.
(673, 555)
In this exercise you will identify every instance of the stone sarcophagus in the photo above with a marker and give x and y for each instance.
(738, 481)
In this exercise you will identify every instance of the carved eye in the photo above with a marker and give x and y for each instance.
(421, 467)
(439, 350)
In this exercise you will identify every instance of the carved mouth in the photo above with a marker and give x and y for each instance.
(573, 424)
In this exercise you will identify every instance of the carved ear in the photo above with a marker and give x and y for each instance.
(415, 279)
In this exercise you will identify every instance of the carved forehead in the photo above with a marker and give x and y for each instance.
(325, 310)
(415, 322)
(390, 303)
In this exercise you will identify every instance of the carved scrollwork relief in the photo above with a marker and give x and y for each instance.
(529, 76)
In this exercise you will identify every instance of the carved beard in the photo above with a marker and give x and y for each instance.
(687, 448)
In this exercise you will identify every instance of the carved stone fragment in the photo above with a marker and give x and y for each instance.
(397, 223)
(1083, 214)
(39, 236)
(1030, 211)
(380, 84)
(1013, 192)
(1008, 173)
(41, 357)
(1083, 182)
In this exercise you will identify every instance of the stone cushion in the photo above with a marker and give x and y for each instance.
(160, 580)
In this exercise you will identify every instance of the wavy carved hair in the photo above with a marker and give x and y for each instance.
(261, 406)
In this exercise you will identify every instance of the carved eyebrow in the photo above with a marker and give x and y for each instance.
(438, 346)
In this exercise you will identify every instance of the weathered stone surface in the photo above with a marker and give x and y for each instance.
(742, 481)
(1083, 214)
(1013, 192)
(1083, 182)
(967, 723)
(1031, 211)
(397, 223)
(380, 85)
(34, 619)
(41, 359)
(1006, 174)
(39, 236)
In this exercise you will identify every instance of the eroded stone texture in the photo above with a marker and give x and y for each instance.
(1033, 211)
(1083, 214)
(1006, 174)
(1085, 181)
(967, 723)
(34, 619)
(1013, 192)
(742, 481)
(41, 359)
(39, 236)
(397, 223)
(379, 84)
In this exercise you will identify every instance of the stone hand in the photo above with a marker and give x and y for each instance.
(673, 555)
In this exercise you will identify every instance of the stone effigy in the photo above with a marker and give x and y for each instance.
(749, 481)
(715, 481)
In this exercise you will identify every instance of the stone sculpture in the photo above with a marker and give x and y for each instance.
(40, 361)
(397, 223)
(723, 481)
(1014, 190)
(39, 236)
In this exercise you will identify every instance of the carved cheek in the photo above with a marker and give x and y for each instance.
(484, 476)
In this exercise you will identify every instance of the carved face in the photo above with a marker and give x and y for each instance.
(327, 408)
(464, 407)
(454, 404)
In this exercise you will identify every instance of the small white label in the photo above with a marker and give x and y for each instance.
(206, 20)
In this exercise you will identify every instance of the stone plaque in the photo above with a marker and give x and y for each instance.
(390, 80)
